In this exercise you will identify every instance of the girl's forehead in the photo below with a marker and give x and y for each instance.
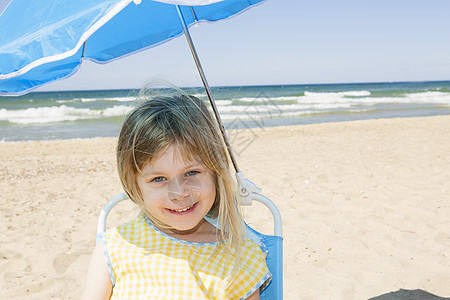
(174, 154)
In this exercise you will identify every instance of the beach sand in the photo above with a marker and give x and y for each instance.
(365, 208)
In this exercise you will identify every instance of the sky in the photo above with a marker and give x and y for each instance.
(294, 42)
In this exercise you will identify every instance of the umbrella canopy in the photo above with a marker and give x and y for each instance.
(43, 41)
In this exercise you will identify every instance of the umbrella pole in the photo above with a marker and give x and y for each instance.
(206, 85)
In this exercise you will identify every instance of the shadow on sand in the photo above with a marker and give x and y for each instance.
(408, 295)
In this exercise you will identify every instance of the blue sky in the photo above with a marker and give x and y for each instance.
(295, 42)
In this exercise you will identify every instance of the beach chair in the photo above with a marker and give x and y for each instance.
(273, 243)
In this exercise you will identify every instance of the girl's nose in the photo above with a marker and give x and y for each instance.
(177, 188)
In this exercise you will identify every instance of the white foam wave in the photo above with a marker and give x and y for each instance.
(86, 100)
(117, 110)
(339, 94)
(362, 99)
(430, 97)
(312, 97)
(261, 117)
(55, 114)
(267, 99)
(223, 102)
(119, 99)
(357, 97)
(200, 95)
(260, 109)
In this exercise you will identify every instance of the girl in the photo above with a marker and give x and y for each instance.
(173, 164)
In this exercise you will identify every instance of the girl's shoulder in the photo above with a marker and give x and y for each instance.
(254, 255)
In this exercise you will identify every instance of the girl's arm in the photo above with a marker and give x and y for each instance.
(254, 296)
(98, 283)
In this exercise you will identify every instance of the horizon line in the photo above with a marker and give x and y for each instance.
(250, 85)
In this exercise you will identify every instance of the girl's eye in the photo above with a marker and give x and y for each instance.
(158, 179)
(192, 173)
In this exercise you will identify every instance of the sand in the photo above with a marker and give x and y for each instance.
(365, 208)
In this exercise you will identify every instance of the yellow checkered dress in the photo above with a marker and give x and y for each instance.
(145, 263)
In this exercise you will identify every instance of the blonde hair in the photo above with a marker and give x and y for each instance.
(185, 121)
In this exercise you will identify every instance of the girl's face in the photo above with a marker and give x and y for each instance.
(177, 193)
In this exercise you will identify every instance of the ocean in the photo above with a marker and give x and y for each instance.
(90, 114)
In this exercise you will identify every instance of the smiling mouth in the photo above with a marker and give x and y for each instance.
(183, 209)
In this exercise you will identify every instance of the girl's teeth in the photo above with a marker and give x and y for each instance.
(181, 210)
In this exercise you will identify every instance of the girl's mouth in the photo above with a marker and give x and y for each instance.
(183, 210)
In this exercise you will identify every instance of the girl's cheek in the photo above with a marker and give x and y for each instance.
(152, 192)
(161, 192)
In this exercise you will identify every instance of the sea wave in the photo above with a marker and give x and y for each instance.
(266, 115)
(350, 97)
(223, 102)
(280, 109)
(61, 113)
(118, 99)
(264, 98)
(339, 94)
(86, 100)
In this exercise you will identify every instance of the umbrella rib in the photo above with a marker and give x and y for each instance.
(207, 89)
(194, 15)
(84, 49)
